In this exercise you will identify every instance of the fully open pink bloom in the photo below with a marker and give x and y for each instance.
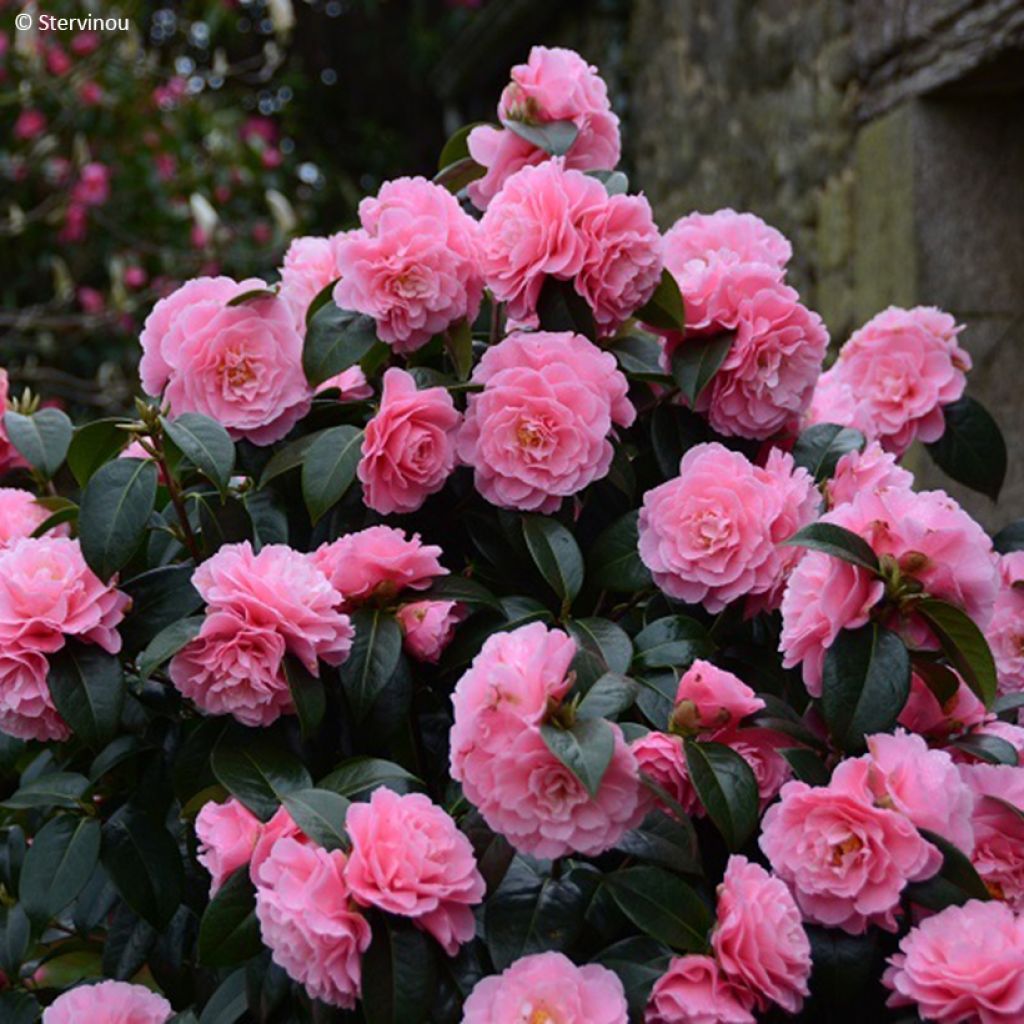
(661, 759)
(547, 987)
(760, 749)
(109, 1002)
(27, 710)
(758, 939)
(622, 264)
(1005, 633)
(351, 383)
(555, 84)
(870, 470)
(532, 230)
(507, 771)
(408, 858)
(934, 541)
(538, 431)
(695, 990)
(306, 919)
(846, 859)
(47, 592)
(898, 371)
(709, 699)
(409, 446)
(227, 835)
(20, 515)
(965, 964)
(924, 714)
(378, 563)
(308, 268)
(281, 826)
(998, 831)
(413, 266)
(282, 591)
(234, 667)
(714, 533)
(428, 627)
(240, 365)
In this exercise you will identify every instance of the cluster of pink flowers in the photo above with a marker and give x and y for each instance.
(553, 85)
(309, 267)
(259, 608)
(710, 703)
(47, 595)
(762, 956)
(407, 858)
(539, 430)
(413, 265)
(715, 532)
(107, 1002)
(893, 376)
(730, 269)
(239, 364)
(549, 221)
(872, 469)
(1005, 632)
(522, 790)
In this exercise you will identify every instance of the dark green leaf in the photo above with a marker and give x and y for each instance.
(940, 679)
(821, 446)
(608, 642)
(268, 517)
(14, 935)
(117, 751)
(167, 643)
(613, 562)
(229, 1002)
(229, 932)
(206, 444)
(727, 789)
(846, 972)
(308, 695)
(335, 340)
(457, 146)
(865, 683)
(143, 861)
(665, 840)
(88, 687)
(289, 457)
(609, 697)
(696, 361)
(42, 438)
(556, 554)
(257, 770)
(554, 137)
(329, 468)
(253, 295)
(674, 431)
(18, 1007)
(561, 308)
(838, 542)
(320, 813)
(956, 881)
(585, 748)
(991, 749)
(399, 973)
(116, 505)
(361, 775)
(462, 589)
(94, 444)
(372, 661)
(639, 356)
(638, 962)
(657, 697)
(458, 342)
(1010, 537)
(456, 176)
(160, 597)
(971, 450)
(1008, 702)
(664, 309)
(964, 645)
(673, 642)
(57, 865)
(128, 942)
(615, 182)
(807, 765)
(662, 906)
(58, 789)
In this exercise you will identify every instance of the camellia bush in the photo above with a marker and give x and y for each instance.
(502, 619)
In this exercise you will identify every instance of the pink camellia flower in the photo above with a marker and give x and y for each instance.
(538, 431)
(282, 591)
(554, 85)
(506, 769)
(1005, 633)
(926, 533)
(377, 563)
(408, 858)
(758, 939)
(309, 267)
(873, 469)
(227, 835)
(234, 667)
(281, 826)
(108, 1002)
(27, 711)
(709, 699)
(351, 383)
(428, 627)
(695, 990)
(622, 264)
(20, 515)
(93, 185)
(921, 783)
(10, 457)
(765, 383)
(306, 919)
(998, 854)
(408, 448)
(714, 533)
(240, 365)
(90, 93)
(30, 124)
(660, 758)
(548, 987)
(532, 231)
(897, 372)
(924, 714)
(846, 859)
(964, 964)
(413, 266)
(760, 749)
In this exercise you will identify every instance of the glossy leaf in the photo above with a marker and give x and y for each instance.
(662, 906)
(838, 542)
(320, 813)
(963, 644)
(360, 775)
(308, 695)
(696, 361)
(556, 555)
(335, 340)
(727, 789)
(971, 450)
(613, 562)
(664, 309)
(42, 438)
(167, 643)
(57, 865)
(585, 748)
(373, 660)
(554, 137)
(399, 973)
(821, 446)
(329, 467)
(93, 444)
(206, 444)
(673, 642)
(257, 770)
(88, 687)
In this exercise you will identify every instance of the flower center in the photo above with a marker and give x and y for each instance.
(530, 434)
(413, 284)
(237, 370)
(537, 1014)
(851, 844)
